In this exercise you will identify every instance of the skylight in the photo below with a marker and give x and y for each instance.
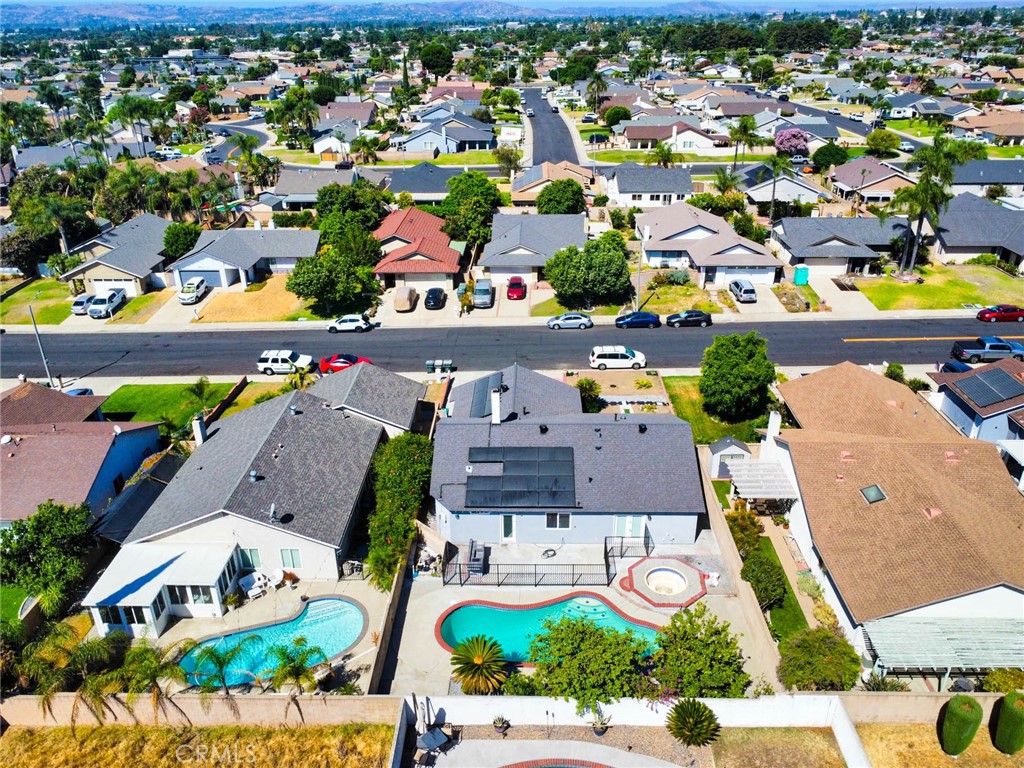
(872, 494)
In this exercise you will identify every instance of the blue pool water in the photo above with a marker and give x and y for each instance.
(332, 624)
(514, 628)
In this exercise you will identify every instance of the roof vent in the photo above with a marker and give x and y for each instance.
(469, 469)
(543, 429)
(847, 456)
(952, 457)
(252, 475)
(294, 409)
(839, 478)
(642, 428)
(273, 513)
(932, 512)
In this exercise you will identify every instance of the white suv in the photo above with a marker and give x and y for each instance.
(350, 323)
(282, 361)
(192, 291)
(616, 357)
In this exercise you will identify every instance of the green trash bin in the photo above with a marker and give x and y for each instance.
(430, 366)
(801, 275)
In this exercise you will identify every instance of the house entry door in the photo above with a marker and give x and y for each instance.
(629, 525)
(508, 528)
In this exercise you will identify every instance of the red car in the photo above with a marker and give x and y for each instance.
(1002, 313)
(516, 289)
(336, 363)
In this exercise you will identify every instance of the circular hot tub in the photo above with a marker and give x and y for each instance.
(665, 581)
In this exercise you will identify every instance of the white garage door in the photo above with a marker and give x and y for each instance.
(500, 275)
(724, 276)
(827, 269)
(108, 283)
(421, 281)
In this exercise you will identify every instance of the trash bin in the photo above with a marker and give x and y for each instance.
(800, 275)
(430, 366)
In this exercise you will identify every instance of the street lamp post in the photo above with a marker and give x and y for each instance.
(39, 341)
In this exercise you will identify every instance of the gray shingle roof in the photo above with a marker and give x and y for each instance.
(373, 391)
(990, 172)
(137, 246)
(804, 237)
(425, 178)
(543, 234)
(311, 502)
(637, 178)
(292, 182)
(974, 221)
(243, 248)
(529, 394)
(615, 464)
(815, 126)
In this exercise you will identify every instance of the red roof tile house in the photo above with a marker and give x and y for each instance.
(417, 252)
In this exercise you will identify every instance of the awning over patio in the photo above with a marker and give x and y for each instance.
(761, 480)
(947, 643)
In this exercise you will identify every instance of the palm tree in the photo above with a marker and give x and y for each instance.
(596, 87)
(726, 180)
(150, 670)
(220, 191)
(779, 165)
(306, 114)
(51, 213)
(365, 150)
(743, 133)
(294, 669)
(200, 391)
(660, 155)
(693, 723)
(213, 666)
(246, 145)
(479, 665)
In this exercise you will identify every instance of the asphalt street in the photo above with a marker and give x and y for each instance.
(476, 348)
(552, 142)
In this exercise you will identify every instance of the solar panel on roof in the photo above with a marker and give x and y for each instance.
(1002, 382)
(990, 387)
(485, 455)
(520, 454)
(480, 404)
(526, 480)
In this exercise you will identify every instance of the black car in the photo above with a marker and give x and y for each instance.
(638, 320)
(598, 138)
(689, 317)
(435, 298)
(343, 165)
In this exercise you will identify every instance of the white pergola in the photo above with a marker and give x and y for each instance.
(761, 480)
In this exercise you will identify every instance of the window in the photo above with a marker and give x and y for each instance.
(655, 198)
(201, 595)
(636, 197)
(557, 520)
(109, 615)
(251, 558)
(222, 582)
(179, 595)
(119, 483)
(680, 197)
(133, 614)
(290, 558)
(159, 605)
(872, 494)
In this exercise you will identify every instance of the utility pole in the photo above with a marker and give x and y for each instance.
(39, 341)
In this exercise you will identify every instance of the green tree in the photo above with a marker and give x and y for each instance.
(765, 577)
(468, 208)
(596, 87)
(882, 143)
(660, 155)
(293, 668)
(830, 154)
(214, 666)
(478, 665)
(577, 659)
(127, 78)
(561, 196)
(693, 723)
(333, 281)
(699, 657)
(590, 395)
(152, 671)
(509, 97)
(24, 252)
(818, 660)
(436, 59)
(726, 180)
(617, 114)
(200, 392)
(743, 134)
(779, 165)
(180, 238)
(508, 159)
(405, 200)
(51, 214)
(350, 238)
(735, 376)
(960, 722)
(598, 273)
(762, 68)
(359, 203)
(746, 529)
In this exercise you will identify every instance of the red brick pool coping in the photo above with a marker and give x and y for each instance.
(563, 763)
(628, 582)
(531, 606)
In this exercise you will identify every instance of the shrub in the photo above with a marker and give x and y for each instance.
(960, 723)
(895, 372)
(818, 660)
(678, 277)
(766, 577)
(746, 530)
(601, 200)
(692, 723)
(479, 665)
(826, 617)
(658, 280)
(808, 585)
(735, 375)
(918, 385)
(617, 217)
(298, 219)
(643, 384)
(886, 684)
(984, 259)
(1009, 738)
(518, 684)
(1003, 681)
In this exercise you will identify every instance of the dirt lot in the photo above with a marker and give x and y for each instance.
(898, 745)
(777, 748)
(624, 384)
(270, 303)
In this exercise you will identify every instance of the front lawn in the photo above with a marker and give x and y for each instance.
(188, 149)
(151, 402)
(668, 299)
(551, 307)
(274, 302)
(247, 397)
(945, 287)
(722, 492)
(778, 748)
(1006, 153)
(639, 155)
(299, 156)
(788, 618)
(11, 598)
(912, 127)
(894, 745)
(50, 300)
(471, 157)
(688, 406)
(141, 308)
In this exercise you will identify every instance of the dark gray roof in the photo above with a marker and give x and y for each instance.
(990, 172)
(528, 394)
(374, 392)
(425, 178)
(527, 177)
(971, 220)
(543, 234)
(728, 442)
(805, 237)
(310, 465)
(613, 460)
(637, 178)
(815, 126)
(137, 246)
(245, 247)
(295, 182)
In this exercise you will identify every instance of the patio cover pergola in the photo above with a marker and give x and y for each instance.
(761, 480)
(947, 644)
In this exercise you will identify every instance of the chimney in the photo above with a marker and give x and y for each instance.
(444, 137)
(294, 409)
(199, 430)
(495, 406)
(774, 424)
(271, 225)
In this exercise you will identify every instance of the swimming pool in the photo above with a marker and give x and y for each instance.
(513, 626)
(331, 623)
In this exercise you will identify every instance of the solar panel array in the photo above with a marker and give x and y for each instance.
(482, 388)
(990, 387)
(530, 478)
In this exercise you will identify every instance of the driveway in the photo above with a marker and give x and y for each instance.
(767, 303)
(845, 303)
(174, 314)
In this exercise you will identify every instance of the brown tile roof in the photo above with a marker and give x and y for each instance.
(422, 256)
(1011, 365)
(30, 403)
(850, 175)
(411, 224)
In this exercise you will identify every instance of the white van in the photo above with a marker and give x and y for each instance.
(744, 291)
(108, 302)
(616, 357)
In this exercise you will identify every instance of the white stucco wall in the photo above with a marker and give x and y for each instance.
(997, 602)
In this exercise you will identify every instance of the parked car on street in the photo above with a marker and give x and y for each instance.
(834, 111)
(516, 289)
(616, 356)
(107, 303)
(339, 362)
(273, 361)
(798, 160)
(906, 146)
(529, 113)
(638, 320)
(193, 291)
(1002, 313)
(350, 323)
(554, 107)
(955, 366)
(986, 349)
(689, 317)
(576, 320)
(857, 117)
(435, 298)
(80, 392)
(80, 306)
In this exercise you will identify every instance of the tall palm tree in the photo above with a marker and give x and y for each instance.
(246, 145)
(779, 165)
(364, 149)
(214, 667)
(479, 665)
(743, 133)
(150, 670)
(220, 190)
(306, 114)
(596, 87)
(726, 180)
(660, 155)
(293, 669)
(53, 212)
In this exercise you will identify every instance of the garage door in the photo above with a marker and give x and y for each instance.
(211, 276)
(107, 283)
(827, 268)
(725, 275)
(423, 281)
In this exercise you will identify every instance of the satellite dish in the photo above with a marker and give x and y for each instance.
(5, 439)
(117, 430)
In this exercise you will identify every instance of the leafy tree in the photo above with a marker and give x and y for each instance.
(745, 226)
(508, 159)
(882, 142)
(499, 79)
(509, 97)
(766, 577)
(818, 660)
(992, 191)
(762, 68)
(127, 78)
(735, 376)
(598, 273)
(828, 155)
(483, 114)
(32, 184)
(24, 252)
(358, 244)
(469, 207)
(180, 238)
(699, 657)
(561, 196)
(479, 665)
(590, 395)
(693, 723)
(332, 280)
(577, 659)
(792, 141)
(726, 180)
(404, 200)
(359, 203)
(50, 214)
(436, 59)
(151, 670)
(746, 528)
(44, 553)
(617, 114)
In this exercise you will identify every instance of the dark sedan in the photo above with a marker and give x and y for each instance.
(689, 317)
(638, 320)
(435, 298)
(1002, 313)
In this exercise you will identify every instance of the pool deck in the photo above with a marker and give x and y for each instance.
(517, 752)
(284, 604)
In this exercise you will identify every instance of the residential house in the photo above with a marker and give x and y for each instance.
(980, 402)
(416, 251)
(629, 184)
(681, 236)
(869, 180)
(818, 129)
(360, 112)
(335, 142)
(445, 110)
(129, 256)
(912, 530)
(223, 257)
(254, 494)
(1002, 128)
(756, 183)
(7, 174)
(522, 244)
(297, 188)
(529, 183)
(519, 463)
(971, 225)
(977, 176)
(56, 154)
(426, 182)
(456, 133)
(836, 246)
(679, 136)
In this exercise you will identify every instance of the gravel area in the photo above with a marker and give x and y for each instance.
(655, 742)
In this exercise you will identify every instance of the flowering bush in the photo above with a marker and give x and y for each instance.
(792, 141)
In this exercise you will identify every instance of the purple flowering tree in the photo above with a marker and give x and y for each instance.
(791, 141)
